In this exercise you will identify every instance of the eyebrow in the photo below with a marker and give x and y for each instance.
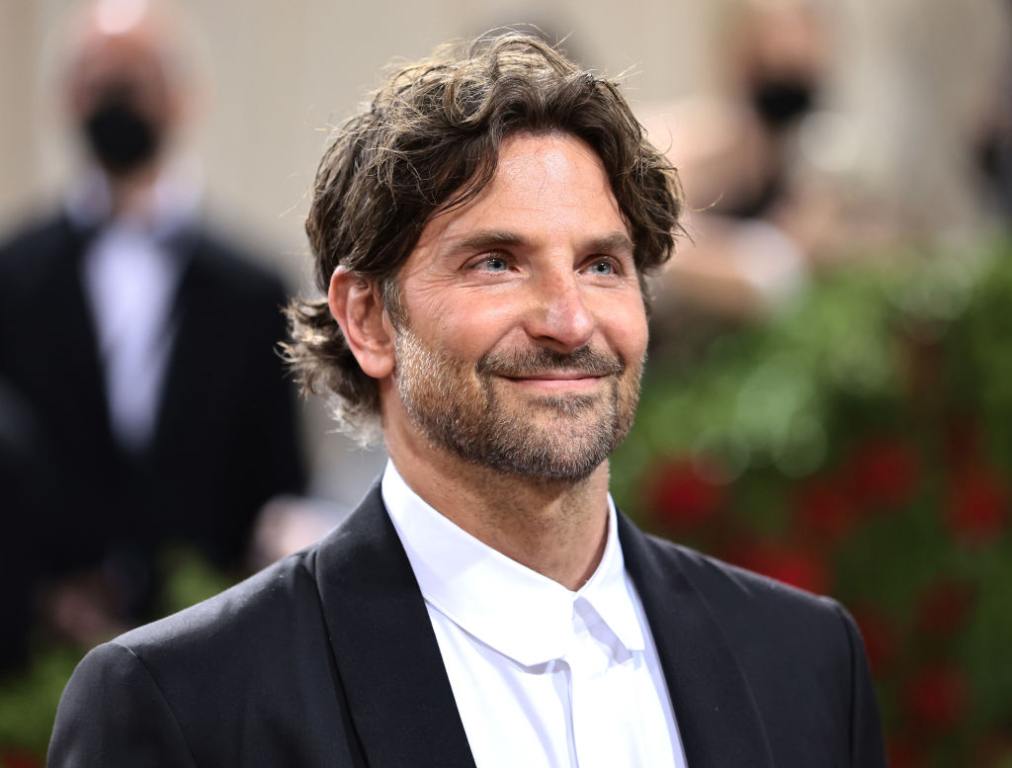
(491, 238)
(616, 241)
(499, 238)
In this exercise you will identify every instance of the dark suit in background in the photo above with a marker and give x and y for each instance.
(24, 503)
(225, 437)
(328, 658)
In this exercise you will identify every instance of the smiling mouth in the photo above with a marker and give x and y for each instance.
(557, 381)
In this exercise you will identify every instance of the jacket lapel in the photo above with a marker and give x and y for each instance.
(717, 717)
(193, 316)
(74, 330)
(397, 689)
(385, 651)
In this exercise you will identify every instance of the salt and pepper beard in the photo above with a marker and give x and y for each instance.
(459, 406)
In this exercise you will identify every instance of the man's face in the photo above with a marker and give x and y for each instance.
(525, 330)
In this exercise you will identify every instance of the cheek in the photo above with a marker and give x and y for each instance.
(626, 328)
(469, 329)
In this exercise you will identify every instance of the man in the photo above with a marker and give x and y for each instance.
(482, 230)
(141, 341)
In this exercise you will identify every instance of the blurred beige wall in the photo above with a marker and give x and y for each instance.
(19, 179)
(276, 74)
(908, 72)
(279, 72)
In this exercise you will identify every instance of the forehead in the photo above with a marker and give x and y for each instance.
(132, 51)
(552, 157)
(119, 61)
(546, 186)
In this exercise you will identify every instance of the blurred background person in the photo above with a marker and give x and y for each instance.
(142, 340)
(24, 491)
(763, 213)
(829, 427)
(991, 140)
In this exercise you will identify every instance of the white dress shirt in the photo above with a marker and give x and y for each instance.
(130, 279)
(542, 676)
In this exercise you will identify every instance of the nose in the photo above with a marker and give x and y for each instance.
(559, 317)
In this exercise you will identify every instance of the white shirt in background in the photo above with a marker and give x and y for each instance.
(130, 278)
(542, 676)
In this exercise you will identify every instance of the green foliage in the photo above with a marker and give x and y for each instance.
(28, 701)
(190, 579)
(860, 443)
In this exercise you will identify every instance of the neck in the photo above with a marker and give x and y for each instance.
(553, 527)
(132, 195)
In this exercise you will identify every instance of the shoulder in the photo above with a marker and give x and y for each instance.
(729, 588)
(764, 621)
(232, 641)
(800, 654)
(210, 684)
(256, 652)
(255, 617)
(226, 260)
(245, 678)
(37, 228)
(30, 248)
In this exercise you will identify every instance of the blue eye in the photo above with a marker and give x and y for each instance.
(602, 267)
(493, 264)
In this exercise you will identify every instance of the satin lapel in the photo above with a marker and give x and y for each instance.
(717, 717)
(386, 652)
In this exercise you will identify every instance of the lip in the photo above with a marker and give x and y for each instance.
(556, 381)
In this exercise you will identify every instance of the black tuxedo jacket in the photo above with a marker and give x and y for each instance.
(225, 437)
(328, 658)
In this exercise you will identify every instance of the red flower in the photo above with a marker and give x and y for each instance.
(20, 760)
(826, 509)
(994, 750)
(943, 609)
(962, 442)
(682, 497)
(783, 563)
(903, 753)
(936, 698)
(978, 505)
(883, 472)
(879, 637)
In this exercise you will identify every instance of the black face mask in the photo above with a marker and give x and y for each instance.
(121, 138)
(779, 102)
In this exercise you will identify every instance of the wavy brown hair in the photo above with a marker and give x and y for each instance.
(428, 142)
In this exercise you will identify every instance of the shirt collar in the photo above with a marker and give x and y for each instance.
(505, 605)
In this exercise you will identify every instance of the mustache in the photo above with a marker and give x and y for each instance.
(532, 362)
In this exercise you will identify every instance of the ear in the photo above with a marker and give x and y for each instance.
(357, 306)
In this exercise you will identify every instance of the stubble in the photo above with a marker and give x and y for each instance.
(470, 410)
